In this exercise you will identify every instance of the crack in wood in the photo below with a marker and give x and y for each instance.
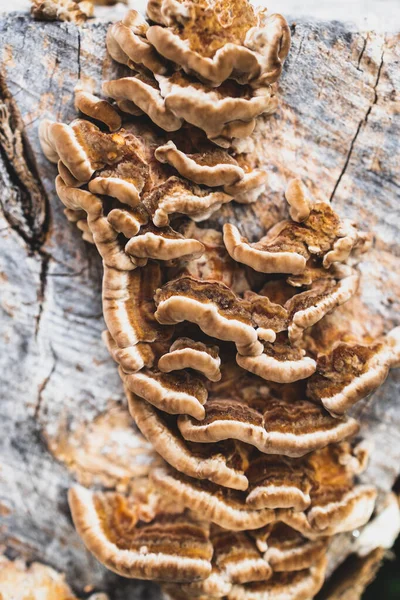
(363, 122)
(79, 54)
(42, 387)
(44, 269)
(362, 54)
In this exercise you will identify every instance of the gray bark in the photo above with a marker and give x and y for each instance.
(337, 128)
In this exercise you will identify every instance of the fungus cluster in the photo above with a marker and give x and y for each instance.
(217, 337)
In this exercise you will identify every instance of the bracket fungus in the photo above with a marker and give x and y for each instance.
(176, 393)
(287, 550)
(351, 371)
(222, 506)
(217, 337)
(223, 113)
(127, 44)
(139, 538)
(164, 244)
(211, 305)
(104, 235)
(223, 463)
(278, 482)
(291, 585)
(96, 108)
(215, 167)
(142, 91)
(59, 142)
(130, 330)
(235, 560)
(279, 362)
(314, 231)
(185, 353)
(216, 40)
(177, 196)
(273, 425)
(228, 111)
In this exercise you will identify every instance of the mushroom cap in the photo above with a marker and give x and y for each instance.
(265, 258)
(211, 305)
(250, 188)
(203, 42)
(185, 353)
(270, 318)
(122, 162)
(128, 220)
(278, 482)
(273, 425)
(133, 358)
(59, 142)
(127, 43)
(351, 511)
(288, 550)
(225, 507)
(128, 170)
(289, 244)
(162, 244)
(212, 109)
(297, 312)
(236, 554)
(351, 371)
(103, 234)
(215, 264)
(350, 239)
(174, 393)
(213, 167)
(97, 109)
(235, 560)
(178, 196)
(116, 187)
(309, 307)
(128, 306)
(143, 91)
(337, 504)
(299, 200)
(67, 176)
(279, 362)
(292, 585)
(224, 464)
(168, 546)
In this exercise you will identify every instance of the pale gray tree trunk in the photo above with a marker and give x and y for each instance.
(338, 128)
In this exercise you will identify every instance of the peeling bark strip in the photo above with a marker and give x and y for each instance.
(56, 385)
(26, 205)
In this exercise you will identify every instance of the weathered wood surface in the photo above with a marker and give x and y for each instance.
(338, 128)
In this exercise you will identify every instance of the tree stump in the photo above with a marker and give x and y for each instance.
(338, 128)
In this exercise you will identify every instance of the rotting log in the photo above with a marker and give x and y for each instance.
(337, 127)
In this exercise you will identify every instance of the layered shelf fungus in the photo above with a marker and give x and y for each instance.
(315, 230)
(217, 335)
(351, 371)
(218, 40)
(142, 536)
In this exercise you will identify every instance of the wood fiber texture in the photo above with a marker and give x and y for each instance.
(338, 128)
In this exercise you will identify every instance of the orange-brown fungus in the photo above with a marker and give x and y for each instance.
(214, 23)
